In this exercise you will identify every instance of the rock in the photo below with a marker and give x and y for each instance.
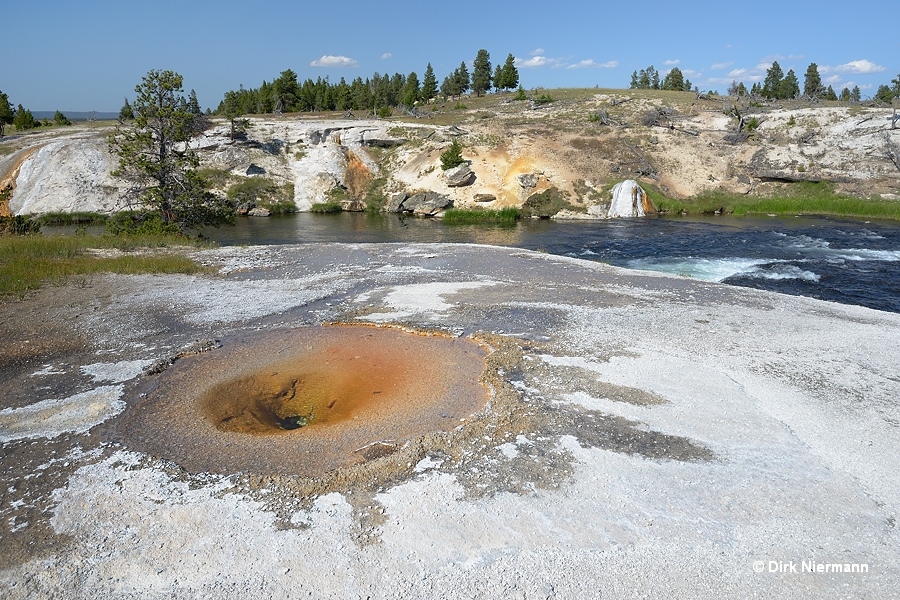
(528, 180)
(426, 205)
(258, 212)
(244, 208)
(485, 197)
(255, 170)
(459, 176)
(433, 204)
(629, 200)
(395, 204)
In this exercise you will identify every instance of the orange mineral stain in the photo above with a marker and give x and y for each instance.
(307, 400)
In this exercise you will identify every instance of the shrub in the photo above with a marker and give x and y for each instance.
(546, 204)
(138, 223)
(452, 156)
(384, 112)
(460, 106)
(18, 225)
(543, 99)
(265, 193)
(326, 208)
(520, 94)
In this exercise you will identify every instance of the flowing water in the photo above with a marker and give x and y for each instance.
(841, 260)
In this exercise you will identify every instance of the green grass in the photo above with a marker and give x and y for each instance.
(73, 218)
(791, 199)
(326, 208)
(28, 262)
(459, 216)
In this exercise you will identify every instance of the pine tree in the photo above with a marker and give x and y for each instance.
(674, 80)
(498, 77)
(410, 94)
(126, 112)
(830, 94)
(429, 84)
(635, 82)
(481, 73)
(812, 83)
(23, 119)
(845, 95)
(6, 113)
(789, 87)
(193, 104)
(60, 119)
(461, 77)
(157, 163)
(510, 73)
(855, 94)
(772, 83)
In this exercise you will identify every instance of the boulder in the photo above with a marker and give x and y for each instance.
(244, 208)
(485, 197)
(395, 204)
(425, 205)
(460, 176)
(432, 204)
(528, 181)
(258, 212)
(255, 170)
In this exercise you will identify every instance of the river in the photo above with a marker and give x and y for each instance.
(841, 260)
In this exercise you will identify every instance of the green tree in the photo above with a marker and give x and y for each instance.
(23, 119)
(60, 119)
(452, 156)
(461, 78)
(884, 94)
(498, 77)
(410, 94)
(855, 94)
(789, 87)
(233, 110)
(429, 84)
(481, 73)
(812, 82)
(830, 94)
(674, 80)
(6, 113)
(772, 83)
(510, 74)
(193, 104)
(126, 113)
(287, 91)
(845, 95)
(157, 162)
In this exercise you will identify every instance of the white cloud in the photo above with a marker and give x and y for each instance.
(672, 63)
(592, 64)
(333, 61)
(738, 72)
(721, 65)
(536, 62)
(386, 56)
(537, 51)
(854, 66)
(691, 73)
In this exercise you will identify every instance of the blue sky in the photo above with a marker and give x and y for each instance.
(82, 56)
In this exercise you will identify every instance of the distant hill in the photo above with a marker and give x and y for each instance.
(76, 116)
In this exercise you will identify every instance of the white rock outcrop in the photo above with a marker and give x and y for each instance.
(70, 175)
(629, 200)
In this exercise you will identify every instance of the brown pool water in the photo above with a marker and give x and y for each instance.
(307, 401)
